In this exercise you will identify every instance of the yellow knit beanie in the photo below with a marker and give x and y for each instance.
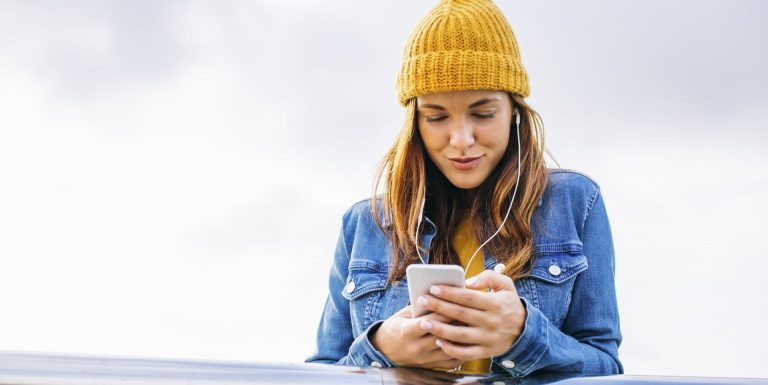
(461, 45)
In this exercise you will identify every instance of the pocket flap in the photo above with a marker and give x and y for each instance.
(363, 281)
(558, 267)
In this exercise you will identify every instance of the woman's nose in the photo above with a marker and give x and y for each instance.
(462, 135)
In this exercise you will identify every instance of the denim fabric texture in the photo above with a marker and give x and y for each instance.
(572, 324)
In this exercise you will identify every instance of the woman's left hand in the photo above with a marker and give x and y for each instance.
(492, 320)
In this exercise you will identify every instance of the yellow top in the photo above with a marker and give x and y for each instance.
(465, 244)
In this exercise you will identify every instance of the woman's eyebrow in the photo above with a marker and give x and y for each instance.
(475, 104)
(483, 101)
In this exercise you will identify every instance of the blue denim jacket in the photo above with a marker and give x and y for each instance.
(572, 324)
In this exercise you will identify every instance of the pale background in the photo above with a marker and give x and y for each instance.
(173, 173)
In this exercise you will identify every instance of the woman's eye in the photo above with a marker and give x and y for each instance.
(481, 116)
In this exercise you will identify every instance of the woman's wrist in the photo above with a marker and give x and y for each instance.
(376, 339)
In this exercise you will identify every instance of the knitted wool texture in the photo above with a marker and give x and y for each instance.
(461, 45)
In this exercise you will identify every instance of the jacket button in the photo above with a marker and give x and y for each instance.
(555, 270)
(375, 364)
(350, 287)
(509, 364)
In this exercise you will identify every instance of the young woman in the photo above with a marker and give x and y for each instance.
(466, 184)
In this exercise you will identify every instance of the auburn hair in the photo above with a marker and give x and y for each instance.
(408, 174)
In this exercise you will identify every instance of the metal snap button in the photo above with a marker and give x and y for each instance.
(509, 364)
(555, 270)
(375, 364)
(350, 287)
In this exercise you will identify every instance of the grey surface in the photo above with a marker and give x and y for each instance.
(24, 368)
(49, 369)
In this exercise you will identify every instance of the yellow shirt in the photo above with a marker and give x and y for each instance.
(464, 243)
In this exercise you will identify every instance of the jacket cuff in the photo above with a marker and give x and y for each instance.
(364, 354)
(530, 346)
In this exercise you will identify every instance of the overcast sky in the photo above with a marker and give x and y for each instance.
(173, 173)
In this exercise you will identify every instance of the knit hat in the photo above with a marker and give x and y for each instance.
(461, 45)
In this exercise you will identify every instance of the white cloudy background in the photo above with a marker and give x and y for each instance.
(173, 173)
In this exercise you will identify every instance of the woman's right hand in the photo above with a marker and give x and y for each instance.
(406, 343)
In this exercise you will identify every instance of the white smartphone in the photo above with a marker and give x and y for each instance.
(421, 277)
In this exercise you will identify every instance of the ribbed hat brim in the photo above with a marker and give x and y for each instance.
(460, 70)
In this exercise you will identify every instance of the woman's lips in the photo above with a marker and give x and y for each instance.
(466, 163)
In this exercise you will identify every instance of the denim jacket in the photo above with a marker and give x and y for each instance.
(572, 323)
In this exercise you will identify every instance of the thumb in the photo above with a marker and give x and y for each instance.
(490, 279)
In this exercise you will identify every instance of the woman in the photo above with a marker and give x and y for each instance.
(468, 167)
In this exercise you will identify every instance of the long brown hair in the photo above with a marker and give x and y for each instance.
(409, 173)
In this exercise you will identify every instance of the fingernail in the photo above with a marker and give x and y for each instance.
(422, 301)
(434, 290)
(439, 342)
(472, 281)
(426, 325)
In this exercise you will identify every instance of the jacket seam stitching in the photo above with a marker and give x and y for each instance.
(591, 204)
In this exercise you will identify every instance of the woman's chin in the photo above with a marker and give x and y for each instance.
(466, 182)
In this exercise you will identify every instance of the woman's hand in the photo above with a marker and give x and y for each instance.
(493, 320)
(402, 339)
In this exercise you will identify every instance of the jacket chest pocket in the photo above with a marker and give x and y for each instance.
(370, 299)
(550, 284)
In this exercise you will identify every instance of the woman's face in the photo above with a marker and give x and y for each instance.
(465, 132)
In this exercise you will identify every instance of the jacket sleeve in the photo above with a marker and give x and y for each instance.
(336, 343)
(588, 342)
